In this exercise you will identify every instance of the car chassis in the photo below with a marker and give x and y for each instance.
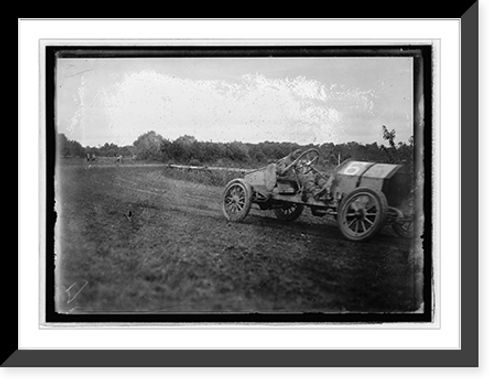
(364, 196)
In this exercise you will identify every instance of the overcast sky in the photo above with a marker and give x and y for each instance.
(303, 100)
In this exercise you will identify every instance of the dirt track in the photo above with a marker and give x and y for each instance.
(134, 239)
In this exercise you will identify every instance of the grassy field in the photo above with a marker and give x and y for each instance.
(143, 238)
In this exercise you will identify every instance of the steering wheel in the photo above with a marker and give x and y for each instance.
(305, 162)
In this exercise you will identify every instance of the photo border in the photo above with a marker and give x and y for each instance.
(422, 55)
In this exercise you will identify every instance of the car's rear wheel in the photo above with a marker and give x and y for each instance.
(237, 200)
(362, 214)
(404, 229)
(289, 212)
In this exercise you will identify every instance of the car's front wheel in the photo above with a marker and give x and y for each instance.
(237, 200)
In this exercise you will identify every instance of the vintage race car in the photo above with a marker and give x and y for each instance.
(363, 196)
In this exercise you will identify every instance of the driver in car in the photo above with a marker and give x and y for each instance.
(311, 182)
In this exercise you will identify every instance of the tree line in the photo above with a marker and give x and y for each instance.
(68, 148)
(188, 150)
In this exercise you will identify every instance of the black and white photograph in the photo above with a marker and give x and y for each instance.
(287, 182)
(247, 201)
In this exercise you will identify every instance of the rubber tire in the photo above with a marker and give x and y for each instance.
(378, 222)
(289, 217)
(247, 200)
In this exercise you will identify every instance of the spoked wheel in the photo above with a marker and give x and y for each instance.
(289, 212)
(237, 200)
(362, 214)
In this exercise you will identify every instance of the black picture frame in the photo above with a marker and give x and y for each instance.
(466, 356)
